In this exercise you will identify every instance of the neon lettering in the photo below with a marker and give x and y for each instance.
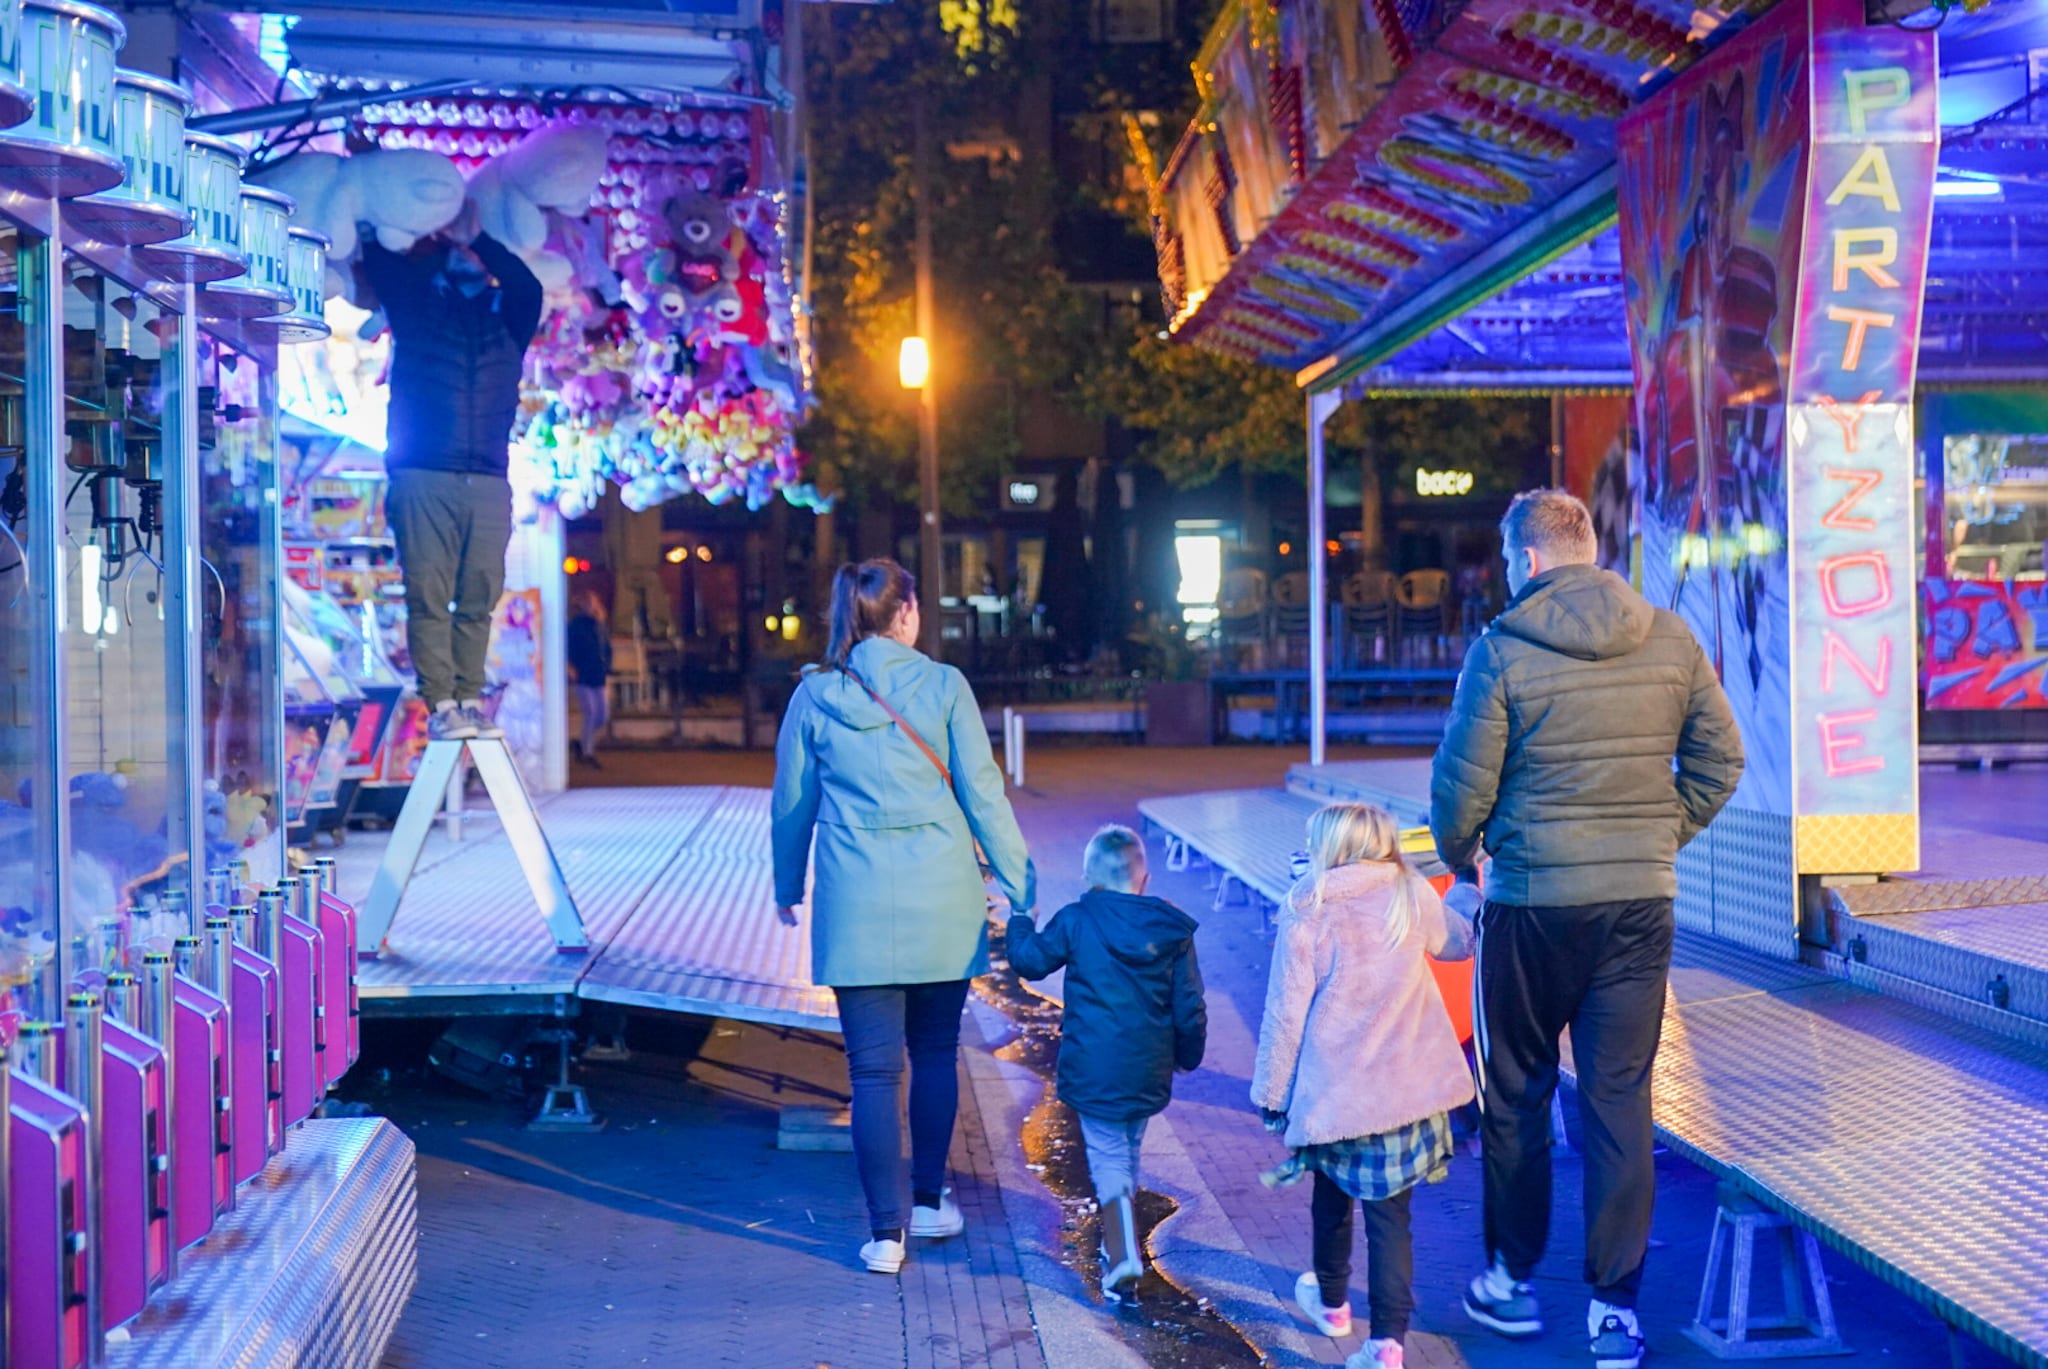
(1860, 322)
(1871, 264)
(1893, 86)
(1849, 416)
(1830, 589)
(1838, 516)
(1833, 743)
(1878, 680)
(1879, 185)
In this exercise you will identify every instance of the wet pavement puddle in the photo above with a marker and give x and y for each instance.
(1164, 1324)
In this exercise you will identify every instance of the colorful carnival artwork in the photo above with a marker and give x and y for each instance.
(1296, 212)
(1987, 643)
(1713, 183)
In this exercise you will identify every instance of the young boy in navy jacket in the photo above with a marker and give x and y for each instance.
(1134, 1013)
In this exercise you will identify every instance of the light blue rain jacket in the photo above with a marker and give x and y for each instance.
(899, 895)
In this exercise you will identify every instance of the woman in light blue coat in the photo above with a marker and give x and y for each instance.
(884, 784)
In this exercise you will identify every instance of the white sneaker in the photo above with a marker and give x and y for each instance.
(882, 1257)
(1616, 1336)
(937, 1223)
(1378, 1354)
(1331, 1321)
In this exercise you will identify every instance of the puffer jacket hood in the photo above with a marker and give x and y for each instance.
(1583, 612)
(898, 893)
(1589, 739)
(1134, 1011)
(1140, 930)
(898, 673)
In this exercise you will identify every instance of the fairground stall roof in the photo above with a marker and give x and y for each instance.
(1404, 194)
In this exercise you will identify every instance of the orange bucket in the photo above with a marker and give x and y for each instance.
(1453, 977)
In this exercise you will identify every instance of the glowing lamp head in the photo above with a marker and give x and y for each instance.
(914, 364)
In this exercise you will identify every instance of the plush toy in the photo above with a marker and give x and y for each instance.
(702, 234)
(404, 193)
(552, 171)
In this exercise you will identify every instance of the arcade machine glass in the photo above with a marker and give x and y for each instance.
(238, 485)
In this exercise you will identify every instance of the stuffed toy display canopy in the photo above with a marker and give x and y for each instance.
(668, 361)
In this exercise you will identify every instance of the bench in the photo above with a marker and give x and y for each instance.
(1914, 1144)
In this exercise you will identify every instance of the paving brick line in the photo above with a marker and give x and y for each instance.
(964, 1300)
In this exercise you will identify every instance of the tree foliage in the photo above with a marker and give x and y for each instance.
(1007, 324)
(1200, 414)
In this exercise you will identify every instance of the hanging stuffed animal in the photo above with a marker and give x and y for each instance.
(552, 171)
(403, 193)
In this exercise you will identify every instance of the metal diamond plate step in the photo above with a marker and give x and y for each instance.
(707, 941)
(675, 889)
(312, 1268)
(1995, 955)
(1915, 1144)
(1916, 895)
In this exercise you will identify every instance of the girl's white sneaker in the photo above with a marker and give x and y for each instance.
(882, 1257)
(1378, 1354)
(1331, 1321)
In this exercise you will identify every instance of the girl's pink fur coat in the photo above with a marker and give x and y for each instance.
(1355, 1040)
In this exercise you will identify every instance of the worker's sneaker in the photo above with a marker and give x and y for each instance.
(481, 720)
(1500, 1303)
(1616, 1335)
(936, 1223)
(882, 1257)
(450, 722)
(1331, 1321)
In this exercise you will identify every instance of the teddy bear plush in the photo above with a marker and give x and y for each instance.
(525, 193)
(403, 194)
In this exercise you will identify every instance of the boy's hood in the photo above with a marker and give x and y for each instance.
(1580, 611)
(1138, 929)
(898, 673)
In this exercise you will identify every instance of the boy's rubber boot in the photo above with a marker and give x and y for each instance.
(1122, 1263)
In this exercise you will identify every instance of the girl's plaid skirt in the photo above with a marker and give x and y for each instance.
(1374, 1168)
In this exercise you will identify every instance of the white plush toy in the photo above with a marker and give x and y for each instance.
(404, 193)
(556, 168)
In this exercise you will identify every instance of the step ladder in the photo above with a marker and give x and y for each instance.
(440, 768)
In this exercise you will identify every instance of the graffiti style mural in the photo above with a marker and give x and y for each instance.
(1712, 188)
(1987, 643)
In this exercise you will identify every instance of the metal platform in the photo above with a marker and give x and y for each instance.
(1915, 1144)
(310, 1270)
(673, 885)
(1399, 786)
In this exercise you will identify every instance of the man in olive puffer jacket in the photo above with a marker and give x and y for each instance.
(1588, 741)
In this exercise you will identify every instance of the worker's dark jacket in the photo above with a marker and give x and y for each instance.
(1134, 1009)
(589, 650)
(456, 358)
(1560, 750)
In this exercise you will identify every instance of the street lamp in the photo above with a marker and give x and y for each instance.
(914, 364)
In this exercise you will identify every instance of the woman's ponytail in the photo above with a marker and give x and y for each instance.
(866, 601)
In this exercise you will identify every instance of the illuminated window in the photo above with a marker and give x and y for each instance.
(1201, 568)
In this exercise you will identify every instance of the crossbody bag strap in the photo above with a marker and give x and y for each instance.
(908, 730)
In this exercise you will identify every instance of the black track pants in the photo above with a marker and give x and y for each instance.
(1599, 970)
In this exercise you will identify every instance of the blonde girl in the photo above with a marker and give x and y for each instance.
(1358, 1064)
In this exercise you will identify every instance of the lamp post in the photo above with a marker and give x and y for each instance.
(914, 369)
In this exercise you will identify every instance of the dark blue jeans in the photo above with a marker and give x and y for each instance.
(880, 1024)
